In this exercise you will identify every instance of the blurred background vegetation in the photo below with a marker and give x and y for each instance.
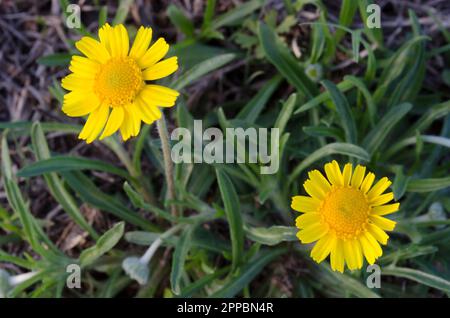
(335, 88)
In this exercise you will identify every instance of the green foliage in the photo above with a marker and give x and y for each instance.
(234, 223)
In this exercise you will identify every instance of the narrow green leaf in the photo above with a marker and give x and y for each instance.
(271, 235)
(378, 134)
(179, 258)
(54, 184)
(202, 69)
(57, 59)
(343, 110)
(233, 213)
(69, 163)
(179, 19)
(283, 60)
(418, 276)
(285, 113)
(235, 15)
(104, 244)
(248, 273)
(428, 185)
(251, 111)
(328, 150)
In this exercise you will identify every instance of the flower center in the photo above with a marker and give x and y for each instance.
(346, 211)
(118, 81)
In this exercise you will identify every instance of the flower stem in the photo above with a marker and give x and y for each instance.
(168, 167)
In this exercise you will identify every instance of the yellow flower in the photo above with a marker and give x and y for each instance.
(344, 214)
(110, 83)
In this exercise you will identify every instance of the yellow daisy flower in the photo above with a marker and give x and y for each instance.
(344, 214)
(110, 84)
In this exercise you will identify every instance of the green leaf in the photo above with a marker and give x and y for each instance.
(57, 59)
(236, 14)
(104, 244)
(233, 213)
(400, 183)
(179, 19)
(418, 276)
(283, 60)
(328, 150)
(54, 183)
(285, 113)
(348, 10)
(248, 273)
(343, 110)
(271, 235)
(91, 194)
(201, 69)
(179, 258)
(251, 111)
(378, 134)
(122, 11)
(69, 163)
(33, 232)
(428, 185)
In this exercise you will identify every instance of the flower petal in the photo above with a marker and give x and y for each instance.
(84, 67)
(323, 247)
(337, 257)
(95, 123)
(379, 188)
(358, 176)
(155, 53)
(307, 219)
(383, 223)
(114, 122)
(141, 42)
(367, 182)
(303, 203)
(378, 234)
(320, 180)
(312, 233)
(93, 49)
(347, 174)
(161, 69)
(385, 209)
(148, 113)
(78, 104)
(313, 190)
(382, 199)
(158, 95)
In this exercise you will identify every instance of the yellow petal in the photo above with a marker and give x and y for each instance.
(312, 233)
(84, 67)
(323, 247)
(378, 234)
(306, 220)
(383, 223)
(376, 248)
(95, 123)
(155, 53)
(313, 190)
(367, 249)
(385, 209)
(105, 33)
(358, 176)
(350, 254)
(367, 182)
(347, 174)
(80, 104)
(114, 122)
(161, 69)
(302, 203)
(337, 257)
(379, 188)
(319, 180)
(382, 199)
(141, 42)
(93, 49)
(74, 82)
(158, 95)
(337, 173)
(147, 113)
(135, 119)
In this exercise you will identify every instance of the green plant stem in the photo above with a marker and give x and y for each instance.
(168, 167)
